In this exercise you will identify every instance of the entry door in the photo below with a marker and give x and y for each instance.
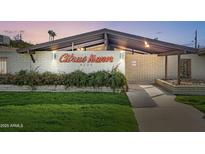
(3, 65)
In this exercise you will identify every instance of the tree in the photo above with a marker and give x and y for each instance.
(20, 44)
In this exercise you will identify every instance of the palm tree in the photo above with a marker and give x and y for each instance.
(52, 34)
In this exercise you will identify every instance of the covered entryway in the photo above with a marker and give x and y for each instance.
(152, 63)
(144, 68)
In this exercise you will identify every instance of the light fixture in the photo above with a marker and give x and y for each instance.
(80, 49)
(122, 53)
(146, 44)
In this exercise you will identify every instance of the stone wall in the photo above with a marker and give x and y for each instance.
(53, 88)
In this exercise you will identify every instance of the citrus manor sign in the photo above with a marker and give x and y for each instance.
(86, 61)
(92, 58)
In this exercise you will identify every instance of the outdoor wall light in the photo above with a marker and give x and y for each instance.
(122, 54)
(54, 55)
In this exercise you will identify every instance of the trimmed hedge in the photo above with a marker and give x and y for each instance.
(113, 79)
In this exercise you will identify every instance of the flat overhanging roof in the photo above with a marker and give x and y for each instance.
(7, 49)
(112, 38)
(202, 52)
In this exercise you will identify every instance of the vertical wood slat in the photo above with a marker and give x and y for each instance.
(72, 46)
(178, 69)
(189, 68)
(166, 67)
(185, 71)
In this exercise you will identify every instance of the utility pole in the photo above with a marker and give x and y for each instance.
(196, 39)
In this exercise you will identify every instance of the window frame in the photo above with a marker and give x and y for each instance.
(4, 58)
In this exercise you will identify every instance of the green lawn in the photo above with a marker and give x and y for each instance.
(66, 112)
(196, 101)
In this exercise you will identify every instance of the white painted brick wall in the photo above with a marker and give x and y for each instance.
(151, 67)
(16, 62)
(147, 69)
(45, 62)
(197, 66)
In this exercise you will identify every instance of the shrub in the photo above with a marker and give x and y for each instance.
(113, 79)
(48, 78)
(118, 80)
(7, 79)
(91, 79)
(102, 78)
(78, 79)
(22, 78)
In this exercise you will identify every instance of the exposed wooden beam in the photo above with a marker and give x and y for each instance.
(201, 52)
(178, 69)
(126, 49)
(67, 40)
(169, 53)
(72, 48)
(115, 40)
(99, 34)
(32, 58)
(106, 42)
(150, 41)
(84, 45)
(166, 59)
(129, 49)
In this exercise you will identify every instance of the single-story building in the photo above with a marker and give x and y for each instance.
(141, 59)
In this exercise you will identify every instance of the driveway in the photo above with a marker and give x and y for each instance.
(161, 113)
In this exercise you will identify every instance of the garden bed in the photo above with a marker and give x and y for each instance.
(196, 101)
(186, 88)
(188, 82)
(101, 81)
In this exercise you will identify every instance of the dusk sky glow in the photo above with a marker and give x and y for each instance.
(174, 32)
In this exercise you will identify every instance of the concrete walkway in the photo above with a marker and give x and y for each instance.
(139, 97)
(167, 115)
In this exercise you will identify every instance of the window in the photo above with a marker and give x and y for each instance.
(185, 72)
(3, 65)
